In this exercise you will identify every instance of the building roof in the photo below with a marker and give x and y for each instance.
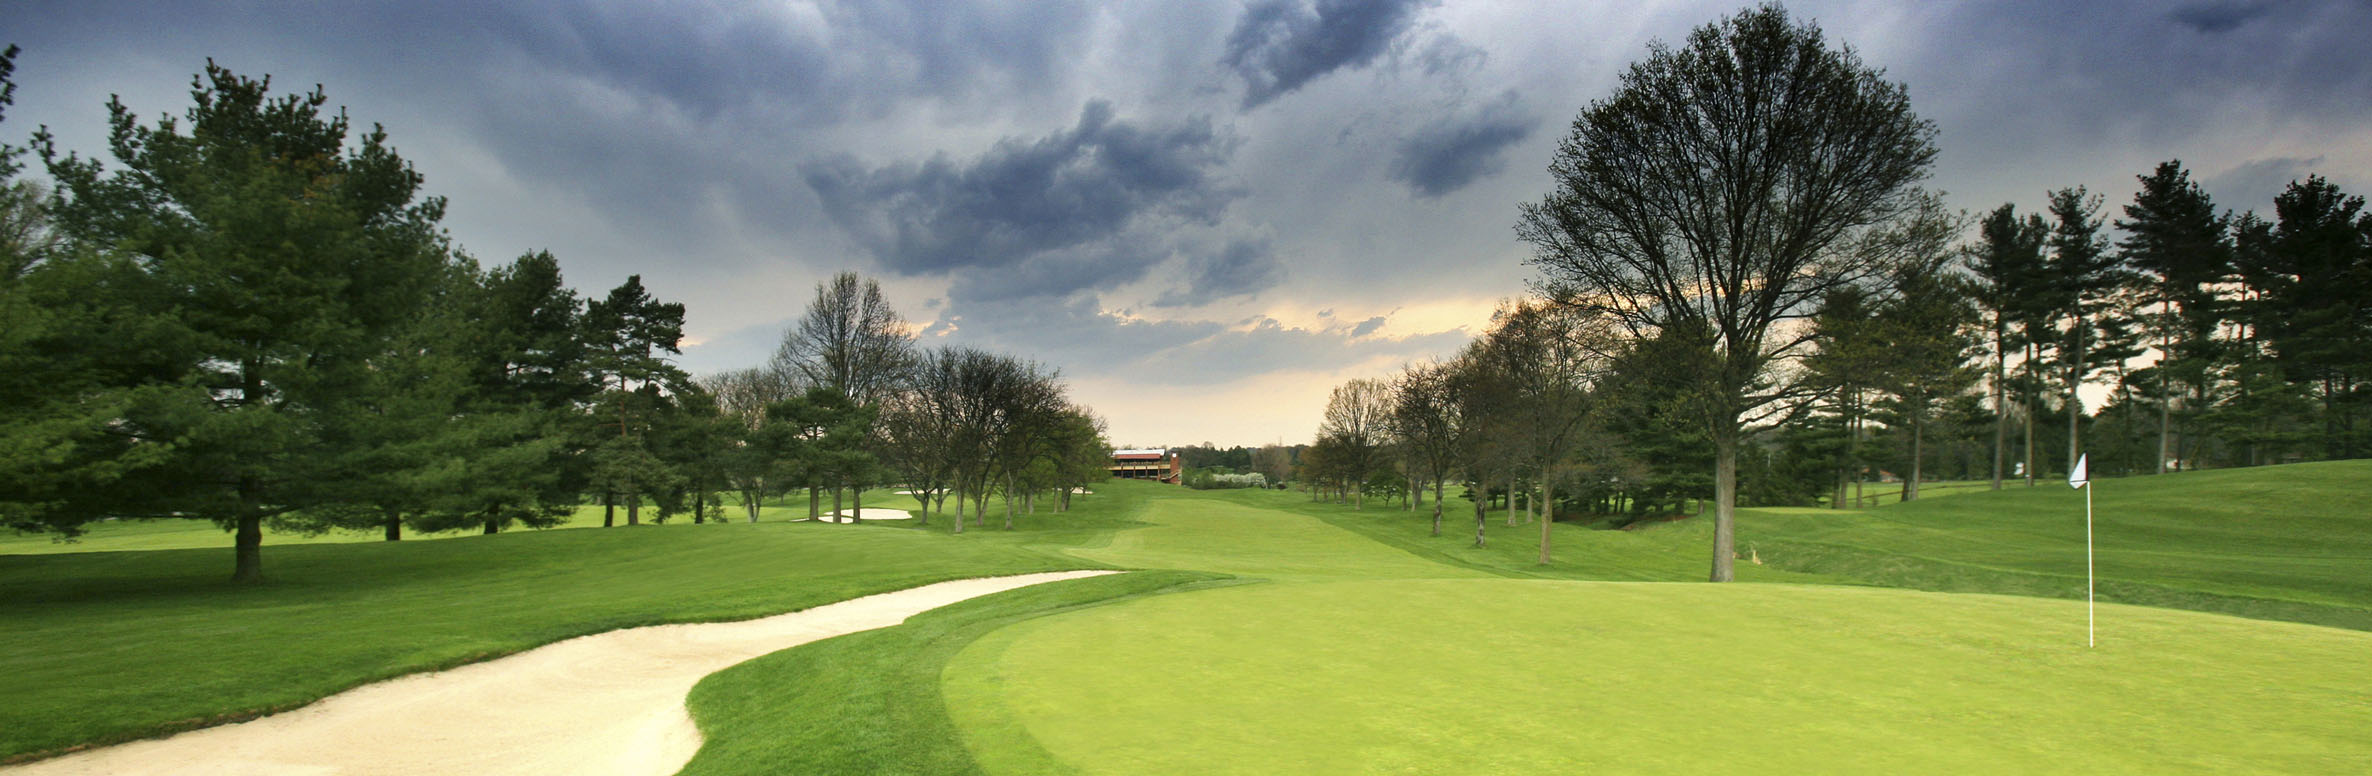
(1152, 453)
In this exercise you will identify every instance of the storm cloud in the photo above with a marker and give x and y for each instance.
(1279, 45)
(1156, 194)
(2224, 16)
(1066, 197)
(1446, 155)
(1240, 268)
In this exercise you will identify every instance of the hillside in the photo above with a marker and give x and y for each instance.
(2278, 542)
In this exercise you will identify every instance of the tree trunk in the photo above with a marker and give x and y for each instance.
(2001, 414)
(247, 555)
(836, 510)
(1029, 503)
(1918, 454)
(493, 524)
(857, 495)
(2165, 414)
(1725, 501)
(395, 526)
(959, 511)
(609, 510)
(1437, 506)
(1511, 501)
(1008, 502)
(699, 507)
(633, 509)
(752, 499)
(815, 502)
(1482, 512)
(1548, 515)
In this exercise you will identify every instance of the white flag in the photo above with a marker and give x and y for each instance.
(2077, 478)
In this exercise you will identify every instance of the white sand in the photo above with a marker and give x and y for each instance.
(609, 703)
(868, 513)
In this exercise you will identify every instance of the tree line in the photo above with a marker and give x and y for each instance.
(1745, 297)
(253, 317)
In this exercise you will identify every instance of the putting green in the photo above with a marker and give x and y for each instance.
(1511, 676)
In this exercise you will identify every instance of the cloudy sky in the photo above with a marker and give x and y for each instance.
(1205, 214)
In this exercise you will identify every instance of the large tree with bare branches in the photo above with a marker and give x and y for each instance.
(1358, 419)
(1718, 191)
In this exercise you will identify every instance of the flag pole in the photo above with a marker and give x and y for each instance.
(2081, 477)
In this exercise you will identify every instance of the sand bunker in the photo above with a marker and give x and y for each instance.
(609, 703)
(868, 513)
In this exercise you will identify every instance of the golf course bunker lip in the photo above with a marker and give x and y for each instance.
(868, 513)
(608, 703)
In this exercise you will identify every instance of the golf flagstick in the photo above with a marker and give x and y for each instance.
(2079, 479)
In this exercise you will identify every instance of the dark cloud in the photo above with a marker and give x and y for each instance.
(1242, 267)
(1450, 153)
(1279, 45)
(1367, 327)
(841, 57)
(2252, 185)
(2217, 17)
(1058, 204)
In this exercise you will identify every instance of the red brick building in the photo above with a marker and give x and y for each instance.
(1155, 464)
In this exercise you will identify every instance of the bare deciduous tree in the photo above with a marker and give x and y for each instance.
(1711, 192)
(1357, 418)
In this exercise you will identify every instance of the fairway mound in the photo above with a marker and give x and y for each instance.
(868, 513)
(609, 703)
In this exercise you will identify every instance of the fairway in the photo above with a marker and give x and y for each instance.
(1506, 676)
(1208, 534)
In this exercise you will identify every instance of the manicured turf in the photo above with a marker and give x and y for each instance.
(2279, 542)
(97, 646)
(1191, 530)
(103, 646)
(1507, 676)
(869, 702)
(127, 535)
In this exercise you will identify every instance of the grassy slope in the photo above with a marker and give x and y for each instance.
(105, 646)
(1514, 676)
(869, 702)
(2283, 542)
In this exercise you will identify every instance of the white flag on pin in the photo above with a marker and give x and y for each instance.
(2077, 478)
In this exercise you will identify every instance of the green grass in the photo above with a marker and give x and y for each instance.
(1537, 676)
(1576, 551)
(132, 535)
(869, 702)
(98, 647)
(2282, 542)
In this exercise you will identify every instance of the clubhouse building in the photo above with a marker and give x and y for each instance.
(1156, 464)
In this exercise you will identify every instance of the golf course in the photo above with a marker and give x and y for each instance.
(1258, 631)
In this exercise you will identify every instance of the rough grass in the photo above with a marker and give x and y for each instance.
(97, 647)
(1514, 676)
